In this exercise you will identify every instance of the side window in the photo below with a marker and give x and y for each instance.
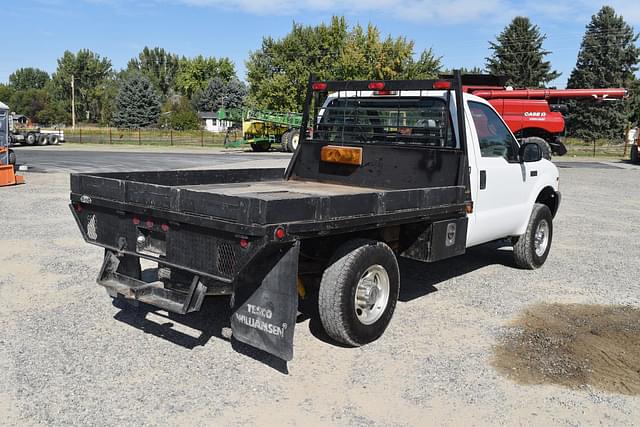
(493, 135)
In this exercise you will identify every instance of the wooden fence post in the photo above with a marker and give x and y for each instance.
(202, 137)
(171, 136)
(110, 137)
(80, 135)
(139, 138)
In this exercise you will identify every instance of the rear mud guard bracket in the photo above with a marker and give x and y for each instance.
(264, 313)
(116, 275)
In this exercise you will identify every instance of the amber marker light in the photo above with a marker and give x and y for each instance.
(343, 155)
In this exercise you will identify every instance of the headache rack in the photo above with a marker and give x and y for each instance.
(386, 113)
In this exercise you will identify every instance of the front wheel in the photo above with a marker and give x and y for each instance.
(634, 154)
(12, 157)
(531, 249)
(358, 292)
(260, 147)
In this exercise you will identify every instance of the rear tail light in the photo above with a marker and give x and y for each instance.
(135, 220)
(376, 85)
(280, 233)
(165, 227)
(442, 85)
(244, 243)
(319, 86)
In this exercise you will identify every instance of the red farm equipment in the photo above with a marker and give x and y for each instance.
(534, 114)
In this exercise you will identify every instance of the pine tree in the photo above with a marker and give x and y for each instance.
(518, 54)
(137, 104)
(219, 94)
(608, 57)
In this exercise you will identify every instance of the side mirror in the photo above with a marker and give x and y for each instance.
(530, 152)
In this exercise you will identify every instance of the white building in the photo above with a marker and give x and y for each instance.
(212, 123)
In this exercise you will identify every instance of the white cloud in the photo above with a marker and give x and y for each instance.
(415, 10)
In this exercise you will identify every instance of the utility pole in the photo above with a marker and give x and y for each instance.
(73, 102)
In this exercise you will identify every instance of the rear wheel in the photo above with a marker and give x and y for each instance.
(43, 140)
(284, 140)
(54, 139)
(30, 139)
(358, 292)
(531, 249)
(294, 139)
(634, 154)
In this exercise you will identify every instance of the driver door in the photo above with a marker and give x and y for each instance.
(503, 183)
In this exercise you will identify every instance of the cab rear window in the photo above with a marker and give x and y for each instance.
(392, 119)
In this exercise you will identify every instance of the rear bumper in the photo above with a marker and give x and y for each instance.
(154, 293)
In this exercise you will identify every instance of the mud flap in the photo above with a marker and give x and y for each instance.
(264, 313)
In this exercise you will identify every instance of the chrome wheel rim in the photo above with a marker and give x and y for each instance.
(372, 294)
(541, 237)
(295, 138)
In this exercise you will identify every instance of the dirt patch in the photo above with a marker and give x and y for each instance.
(574, 345)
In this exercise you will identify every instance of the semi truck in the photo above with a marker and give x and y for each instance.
(417, 169)
(33, 135)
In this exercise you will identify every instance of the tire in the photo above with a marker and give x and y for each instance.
(12, 157)
(284, 140)
(260, 147)
(54, 139)
(342, 317)
(634, 154)
(43, 140)
(529, 251)
(30, 138)
(544, 145)
(294, 139)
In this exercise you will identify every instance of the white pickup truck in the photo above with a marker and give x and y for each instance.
(386, 169)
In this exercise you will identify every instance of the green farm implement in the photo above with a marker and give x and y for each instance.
(261, 129)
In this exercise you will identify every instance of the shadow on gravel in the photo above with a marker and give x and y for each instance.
(419, 279)
(193, 329)
(573, 345)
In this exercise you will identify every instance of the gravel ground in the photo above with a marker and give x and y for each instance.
(70, 357)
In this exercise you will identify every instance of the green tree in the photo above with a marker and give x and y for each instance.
(519, 55)
(278, 72)
(428, 66)
(178, 114)
(607, 58)
(219, 94)
(194, 74)
(90, 72)
(28, 78)
(6, 92)
(160, 66)
(137, 104)
(29, 102)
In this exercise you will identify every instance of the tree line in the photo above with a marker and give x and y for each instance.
(160, 88)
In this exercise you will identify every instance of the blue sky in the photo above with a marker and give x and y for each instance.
(458, 30)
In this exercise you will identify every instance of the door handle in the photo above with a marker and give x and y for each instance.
(483, 180)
